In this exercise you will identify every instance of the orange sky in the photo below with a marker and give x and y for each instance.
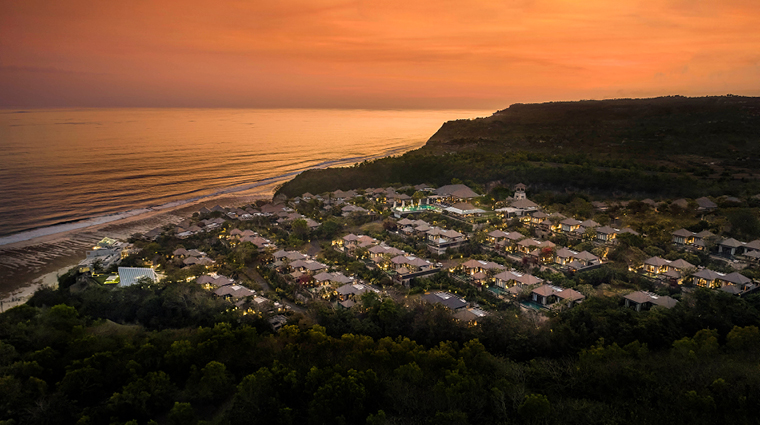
(372, 54)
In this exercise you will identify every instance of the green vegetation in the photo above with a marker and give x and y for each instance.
(663, 147)
(170, 353)
(717, 127)
(62, 360)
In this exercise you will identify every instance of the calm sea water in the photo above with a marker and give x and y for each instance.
(71, 168)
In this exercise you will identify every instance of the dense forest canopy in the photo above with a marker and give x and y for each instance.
(97, 356)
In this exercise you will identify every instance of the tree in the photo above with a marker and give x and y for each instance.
(744, 222)
(746, 338)
(144, 397)
(300, 228)
(329, 229)
(63, 318)
(534, 408)
(182, 414)
(389, 224)
(215, 383)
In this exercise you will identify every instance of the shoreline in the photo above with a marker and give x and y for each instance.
(26, 266)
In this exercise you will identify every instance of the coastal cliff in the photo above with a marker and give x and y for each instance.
(655, 147)
(717, 126)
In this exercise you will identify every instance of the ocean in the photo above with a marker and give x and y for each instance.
(65, 169)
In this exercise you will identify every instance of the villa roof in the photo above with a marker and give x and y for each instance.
(353, 289)
(515, 236)
(639, 297)
(606, 230)
(310, 265)
(451, 233)
(524, 204)
(544, 290)
(528, 279)
(656, 261)
(704, 234)
(490, 265)
(585, 255)
(469, 314)
(570, 294)
(269, 208)
(753, 245)
(399, 259)
(379, 249)
(731, 243)
(464, 206)
(204, 279)
(706, 203)
(497, 234)
(590, 223)
(708, 274)
(683, 232)
(566, 253)
(529, 242)
(736, 278)
(471, 264)
(456, 190)
(570, 222)
(664, 301)
(731, 289)
(680, 264)
(434, 231)
(451, 301)
(506, 276)
(324, 276)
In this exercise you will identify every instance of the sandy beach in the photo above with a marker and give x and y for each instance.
(28, 265)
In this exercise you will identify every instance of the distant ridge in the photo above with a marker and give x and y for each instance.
(671, 146)
(717, 126)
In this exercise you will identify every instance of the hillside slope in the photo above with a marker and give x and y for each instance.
(668, 146)
(719, 126)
